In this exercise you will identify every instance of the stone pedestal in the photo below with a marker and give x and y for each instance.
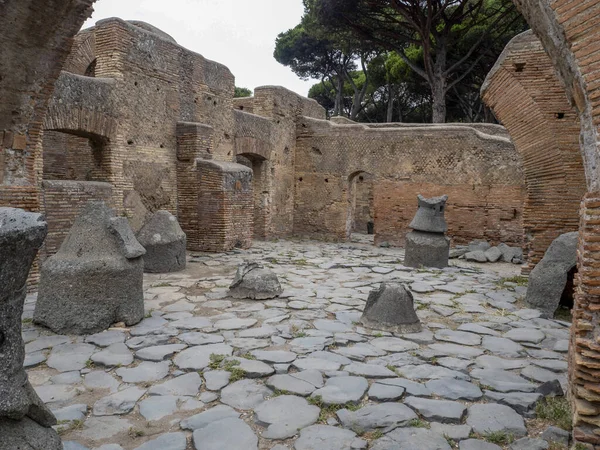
(96, 277)
(426, 249)
(25, 422)
(391, 308)
(427, 245)
(165, 243)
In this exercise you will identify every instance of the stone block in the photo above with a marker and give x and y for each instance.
(391, 308)
(426, 249)
(165, 244)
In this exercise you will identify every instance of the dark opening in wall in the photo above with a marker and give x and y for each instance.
(91, 69)
(519, 67)
(566, 299)
(326, 180)
(559, 115)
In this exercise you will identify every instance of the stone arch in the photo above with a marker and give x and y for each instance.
(83, 53)
(529, 100)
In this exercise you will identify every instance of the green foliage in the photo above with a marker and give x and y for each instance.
(499, 438)
(557, 410)
(418, 423)
(242, 92)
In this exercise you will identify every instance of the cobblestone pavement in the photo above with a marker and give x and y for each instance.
(204, 371)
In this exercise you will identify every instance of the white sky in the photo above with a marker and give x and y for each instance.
(238, 33)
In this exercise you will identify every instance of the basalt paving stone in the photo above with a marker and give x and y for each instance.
(209, 416)
(198, 338)
(168, 441)
(284, 415)
(342, 390)
(495, 362)
(198, 357)
(454, 432)
(430, 372)
(158, 406)
(477, 444)
(226, 434)
(114, 355)
(316, 364)
(551, 364)
(159, 352)
(458, 337)
(139, 342)
(540, 375)
(119, 403)
(385, 392)
(251, 368)
(455, 390)
(99, 379)
(245, 394)
(45, 342)
(492, 417)
(502, 381)
(368, 370)
(106, 338)
(383, 415)
(502, 347)
(455, 363)
(525, 335)
(145, 372)
(68, 357)
(275, 356)
(187, 384)
(393, 344)
(411, 439)
(321, 437)
(529, 444)
(460, 351)
(412, 388)
(444, 411)
(359, 351)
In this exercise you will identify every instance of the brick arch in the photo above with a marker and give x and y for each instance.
(82, 122)
(83, 53)
(529, 100)
(570, 32)
(252, 147)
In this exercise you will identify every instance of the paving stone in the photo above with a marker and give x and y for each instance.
(385, 392)
(168, 441)
(562, 345)
(393, 344)
(333, 326)
(68, 357)
(139, 342)
(198, 357)
(274, 356)
(145, 372)
(458, 337)
(226, 434)
(502, 381)
(159, 352)
(99, 379)
(245, 394)
(56, 393)
(119, 403)
(502, 347)
(106, 338)
(209, 416)
(198, 338)
(454, 432)
(247, 344)
(423, 337)
(444, 411)
(252, 368)
(234, 324)
(369, 370)
(45, 342)
(477, 444)
(158, 406)
(99, 428)
(208, 397)
(284, 415)
(34, 359)
(495, 362)
(412, 388)
(521, 402)
(341, 390)
(70, 413)
(529, 444)
(557, 435)
(540, 375)
(411, 439)
(460, 351)
(475, 328)
(72, 445)
(383, 415)
(262, 332)
(216, 379)
(551, 364)
(66, 378)
(114, 355)
(359, 351)
(293, 384)
(455, 390)
(320, 437)
(430, 372)
(192, 323)
(150, 325)
(308, 344)
(187, 384)
(492, 417)
(525, 335)
(316, 364)
(452, 363)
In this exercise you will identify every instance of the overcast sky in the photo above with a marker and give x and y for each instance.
(238, 33)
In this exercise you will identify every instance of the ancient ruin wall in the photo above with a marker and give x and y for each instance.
(480, 173)
(528, 98)
(269, 137)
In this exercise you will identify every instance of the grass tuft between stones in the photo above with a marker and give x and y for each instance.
(556, 410)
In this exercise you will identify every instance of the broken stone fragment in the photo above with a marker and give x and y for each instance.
(25, 422)
(95, 278)
(391, 308)
(255, 281)
(165, 243)
(548, 278)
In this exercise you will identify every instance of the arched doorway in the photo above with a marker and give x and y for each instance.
(361, 218)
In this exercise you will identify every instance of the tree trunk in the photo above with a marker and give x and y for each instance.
(439, 84)
(390, 106)
(338, 107)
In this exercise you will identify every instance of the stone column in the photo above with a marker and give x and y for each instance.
(25, 422)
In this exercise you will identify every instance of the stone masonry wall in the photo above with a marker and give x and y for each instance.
(528, 98)
(481, 174)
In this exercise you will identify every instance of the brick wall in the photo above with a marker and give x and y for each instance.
(225, 204)
(528, 98)
(62, 201)
(481, 173)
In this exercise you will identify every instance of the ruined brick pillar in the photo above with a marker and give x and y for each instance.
(584, 367)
